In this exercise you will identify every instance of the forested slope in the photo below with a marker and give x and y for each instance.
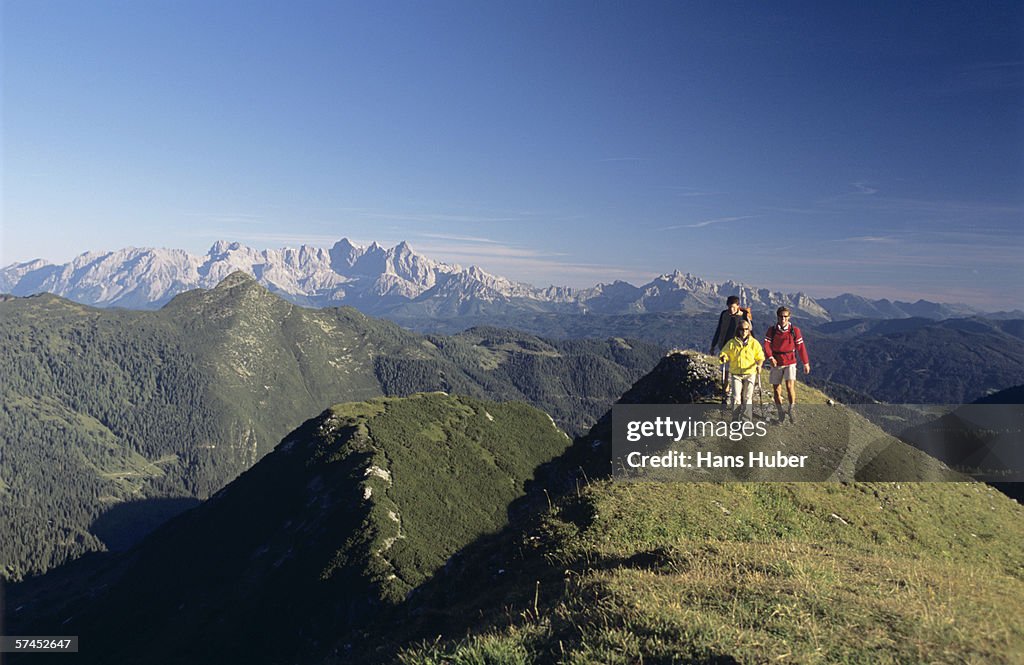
(106, 415)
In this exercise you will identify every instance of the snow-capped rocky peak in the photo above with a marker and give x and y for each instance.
(680, 280)
(344, 255)
(373, 261)
(377, 279)
(408, 265)
(804, 302)
(222, 247)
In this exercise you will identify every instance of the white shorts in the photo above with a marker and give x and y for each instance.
(778, 374)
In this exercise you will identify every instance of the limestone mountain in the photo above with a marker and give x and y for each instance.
(114, 419)
(395, 282)
(398, 282)
(673, 310)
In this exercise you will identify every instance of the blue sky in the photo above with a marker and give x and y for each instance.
(873, 147)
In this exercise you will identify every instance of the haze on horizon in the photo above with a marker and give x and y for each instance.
(876, 148)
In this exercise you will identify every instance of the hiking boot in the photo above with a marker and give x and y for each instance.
(792, 413)
(781, 414)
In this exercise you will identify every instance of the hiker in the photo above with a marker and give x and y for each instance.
(782, 343)
(727, 322)
(745, 356)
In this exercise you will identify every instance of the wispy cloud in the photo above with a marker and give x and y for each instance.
(707, 222)
(998, 240)
(475, 251)
(274, 240)
(866, 197)
(539, 267)
(860, 190)
(871, 239)
(442, 236)
(941, 207)
(934, 255)
(542, 273)
(440, 217)
(996, 237)
(798, 211)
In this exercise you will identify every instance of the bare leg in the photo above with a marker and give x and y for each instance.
(777, 394)
(791, 393)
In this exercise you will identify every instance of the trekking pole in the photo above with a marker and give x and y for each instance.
(760, 394)
(725, 391)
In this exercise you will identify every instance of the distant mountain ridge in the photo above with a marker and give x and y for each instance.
(399, 283)
(849, 306)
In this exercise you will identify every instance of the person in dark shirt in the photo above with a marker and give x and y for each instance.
(728, 321)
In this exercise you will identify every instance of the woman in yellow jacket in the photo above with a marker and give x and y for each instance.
(745, 356)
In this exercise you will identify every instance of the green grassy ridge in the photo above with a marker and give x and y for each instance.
(702, 572)
(612, 572)
(962, 522)
(340, 522)
(453, 466)
(627, 572)
(206, 386)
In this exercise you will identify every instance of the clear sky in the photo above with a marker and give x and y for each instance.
(873, 147)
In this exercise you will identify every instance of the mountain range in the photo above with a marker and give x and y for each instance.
(136, 415)
(112, 420)
(402, 285)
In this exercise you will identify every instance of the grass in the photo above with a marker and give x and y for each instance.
(760, 573)
(832, 572)
(788, 602)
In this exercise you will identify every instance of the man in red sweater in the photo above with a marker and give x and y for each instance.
(782, 343)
